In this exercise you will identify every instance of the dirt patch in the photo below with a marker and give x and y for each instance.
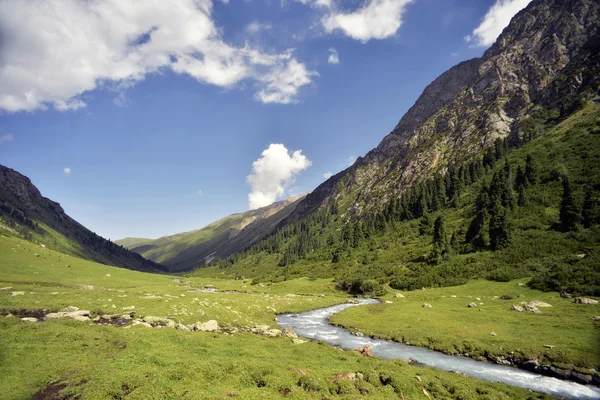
(52, 392)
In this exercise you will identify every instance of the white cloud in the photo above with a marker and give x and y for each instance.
(256, 27)
(200, 193)
(122, 100)
(55, 51)
(334, 58)
(351, 160)
(327, 175)
(67, 171)
(495, 20)
(7, 138)
(273, 173)
(379, 19)
(317, 3)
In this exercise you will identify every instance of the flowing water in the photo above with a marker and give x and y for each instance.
(315, 325)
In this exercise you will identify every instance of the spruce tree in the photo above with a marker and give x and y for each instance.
(522, 200)
(591, 209)
(531, 173)
(570, 213)
(499, 229)
(441, 247)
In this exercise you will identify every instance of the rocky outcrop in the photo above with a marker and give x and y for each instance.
(584, 300)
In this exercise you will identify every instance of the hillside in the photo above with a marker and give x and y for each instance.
(25, 213)
(220, 239)
(456, 162)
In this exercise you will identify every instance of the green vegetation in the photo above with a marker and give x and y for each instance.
(451, 326)
(502, 224)
(94, 361)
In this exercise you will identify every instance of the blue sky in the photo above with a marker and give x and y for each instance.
(151, 118)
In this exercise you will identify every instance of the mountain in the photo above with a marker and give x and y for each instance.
(220, 239)
(24, 212)
(536, 60)
(453, 169)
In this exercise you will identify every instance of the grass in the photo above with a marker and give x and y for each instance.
(452, 327)
(90, 361)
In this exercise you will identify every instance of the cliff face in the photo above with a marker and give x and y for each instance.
(549, 50)
(22, 203)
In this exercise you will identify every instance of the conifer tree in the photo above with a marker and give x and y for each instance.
(531, 173)
(441, 248)
(570, 214)
(499, 229)
(591, 209)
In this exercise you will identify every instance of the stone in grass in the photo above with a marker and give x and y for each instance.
(208, 326)
(472, 305)
(299, 341)
(159, 321)
(289, 332)
(427, 305)
(29, 319)
(142, 323)
(537, 303)
(19, 293)
(596, 318)
(182, 327)
(388, 302)
(399, 295)
(77, 315)
(493, 334)
(273, 333)
(585, 300)
(70, 309)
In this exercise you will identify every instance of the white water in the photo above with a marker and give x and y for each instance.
(315, 325)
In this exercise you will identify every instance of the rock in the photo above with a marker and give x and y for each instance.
(260, 328)
(182, 327)
(585, 300)
(399, 295)
(517, 308)
(532, 309)
(477, 298)
(106, 317)
(365, 351)
(349, 376)
(125, 317)
(531, 365)
(388, 302)
(208, 326)
(142, 323)
(29, 319)
(299, 341)
(472, 305)
(453, 296)
(70, 309)
(79, 315)
(289, 332)
(537, 303)
(359, 334)
(549, 346)
(581, 378)
(273, 333)
(9, 316)
(493, 334)
(20, 293)
(427, 305)
(6, 288)
(597, 318)
(159, 321)
(96, 319)
(108, 275)
(565, 295)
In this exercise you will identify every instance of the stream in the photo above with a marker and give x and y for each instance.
(315, 325)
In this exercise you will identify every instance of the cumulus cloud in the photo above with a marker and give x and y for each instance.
(317, 3)
(7, 138)
(495, 20)
(55, 51)
(334, 58)
(327, 175)
(67, 171)
(273, 173)
(378, 19)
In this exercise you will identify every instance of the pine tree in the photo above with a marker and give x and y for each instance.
(591, 209)
(570, 214)
(499, 229)
(531, 173)
(520, 178)
(441, 248)
(522, 200)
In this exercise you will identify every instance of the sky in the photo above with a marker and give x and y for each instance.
(149, 118)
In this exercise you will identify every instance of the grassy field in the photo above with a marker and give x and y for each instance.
(60, 358)
(454, 328)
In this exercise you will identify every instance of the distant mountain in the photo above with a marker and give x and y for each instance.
(24, 212)
(220, 239)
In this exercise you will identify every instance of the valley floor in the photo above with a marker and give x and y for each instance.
(56, 359)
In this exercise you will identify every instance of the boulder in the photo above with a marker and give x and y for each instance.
(289, 332)
(565, 295)
(399, 295)
(427, 305)
(352, 301)
(79, 315)
(208, 326)
(517, 308)
(388, 302)
(142, 323)
(299, 341)
(349, 376)
(585, 300)
(365, 351)
(493, 334)
(29, 319)
(260, 328)
(182, 327)
(596, 318)
(273, 333)
(472, 305)
(532, 309)
(19, 293)
(537, 303)
(159, 321)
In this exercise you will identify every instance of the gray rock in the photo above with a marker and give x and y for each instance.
(18, 293)
(472, 305)
(273, 333)
(585, 300)
(517, 308)
(208, 326)
(70, 309)
(596, 318)
(537, 303)
(79, 315)
(29, 319)
(159, 321)
(182, 327)
(427, 305)
(289, 332)
(141, 323)
(299, 341)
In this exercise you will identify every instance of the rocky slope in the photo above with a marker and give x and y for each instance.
(549, 50)
(217, 240)
(25, 212)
